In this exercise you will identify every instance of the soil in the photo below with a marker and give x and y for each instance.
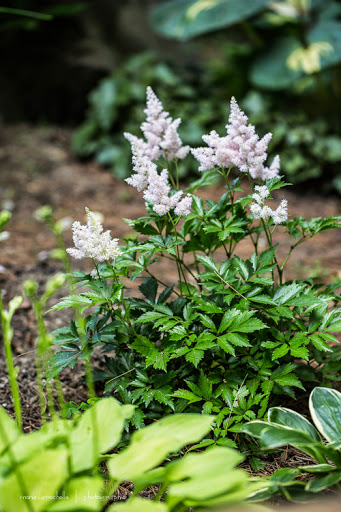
(38, 168)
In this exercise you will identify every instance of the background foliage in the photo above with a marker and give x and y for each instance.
(281, 60)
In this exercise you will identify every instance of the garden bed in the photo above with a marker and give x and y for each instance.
(37, 168)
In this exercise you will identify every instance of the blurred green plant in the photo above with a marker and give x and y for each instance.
(285, 426)
(30, 483)
(44, 340)
(305, 33)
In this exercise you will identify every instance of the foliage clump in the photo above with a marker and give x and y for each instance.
(230, 336)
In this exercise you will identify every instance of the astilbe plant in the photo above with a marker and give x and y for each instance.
(229, 336)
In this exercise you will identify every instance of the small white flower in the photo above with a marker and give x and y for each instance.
(4, 235)
(263, 191)
(281, 214)
(91, 242)
(184, 206)
(261, 211)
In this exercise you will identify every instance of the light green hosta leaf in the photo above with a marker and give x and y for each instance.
(99, 429)
(150, 446)
(8, 430)
(183, 19)
(25, 446)
(255, 428)
(318, 484)
(318, 468)
(83, 493)
(294, 420)
(276, 435)
(200, 477)
(42, 475)
(325, 410)
(139, 505)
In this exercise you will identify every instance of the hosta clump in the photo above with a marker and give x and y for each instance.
(57, 468)
(288, 427)
(228, 336)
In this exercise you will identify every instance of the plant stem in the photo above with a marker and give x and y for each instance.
(7, 333)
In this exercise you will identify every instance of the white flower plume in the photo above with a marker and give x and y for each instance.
(261, 211)
(160, 132)
(91, 242)
(240, 148)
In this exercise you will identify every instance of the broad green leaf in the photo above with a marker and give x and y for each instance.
(199, 477)
(318, 484)
(255, 428)
(270, 70)
(262, 299)
(151, 445)
(235, 320)
(183, 19)
(25, 446)
(318, 468)
(325, 410)
(208, 322)
(81, 493)
(43, 474)
(103, 101)
(277, 435)
(139, 505)
(99, 429)
(328, 31)
(207, 307)
(294, 420)
(8, 430)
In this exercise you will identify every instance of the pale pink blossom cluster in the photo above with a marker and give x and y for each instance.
(142, 166)
(261, 211)
(160, 132)
(91, 242)
(158, 191)
(156, 187)
(240, 148)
